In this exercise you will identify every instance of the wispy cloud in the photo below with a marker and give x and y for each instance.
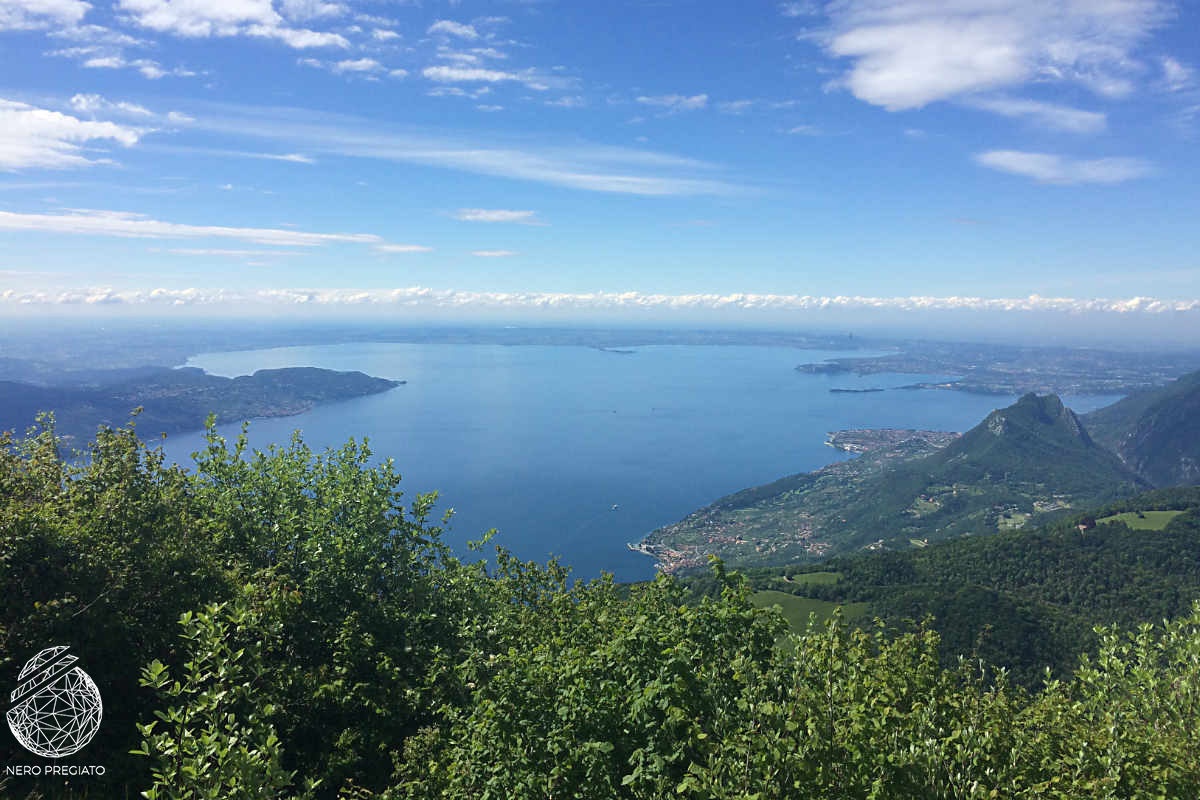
(104, 57)
(1047, 115)
(447, 27)
(494, 253)
(443, 74)
(91, 103)
(293, 158)
(497, 215)
(208, 251)
(1176, 76)
(403, 248)
(530, 78)
(801, 9)
(1051, 168)
(37, 137)
(675, 103)
(572, 101)
(89, 222)
(364, 67)
(908, 54)
(735, 106)
(424, 297)
(588, 167)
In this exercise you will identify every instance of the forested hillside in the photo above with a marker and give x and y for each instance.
(288, 624)
(174, 400)
(1025, 599)
(1156, 432)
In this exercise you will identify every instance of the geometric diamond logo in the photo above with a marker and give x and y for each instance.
(56, 706)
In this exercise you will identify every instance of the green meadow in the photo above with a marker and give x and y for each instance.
(796, 610)
(1142, 520)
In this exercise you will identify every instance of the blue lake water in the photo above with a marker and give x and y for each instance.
(573, 451)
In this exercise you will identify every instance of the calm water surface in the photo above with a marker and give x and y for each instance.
(572, 451)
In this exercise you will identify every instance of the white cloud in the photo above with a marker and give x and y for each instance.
(358, 65)
(365, 67)
(450, 28)
(489, 108)
(256, 18)
(444, 74)
(37, 14)
(908, 54)
(384, 35)
(567, 102)
(804, 130)
(294, 158)
(1049, 115)
(1175, 75)
(124, 224)
(102, 57)
(424, 297)
(447, 54)
(805, 9)
(298, 38)
(305, 10)
(676, 102)
(91, 103)
(1051, 168)
(36, 137)
(403, 248)
(587, 167)
(497, 215)
(192, 251)
(735, 106)
(97, 36)
(494, 253)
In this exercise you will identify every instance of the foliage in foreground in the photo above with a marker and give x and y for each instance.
(279, 625)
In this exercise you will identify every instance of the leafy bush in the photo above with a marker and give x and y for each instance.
(279, 624)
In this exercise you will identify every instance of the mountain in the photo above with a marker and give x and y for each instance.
(176, 400)
(1155, 432)
(1023, 462)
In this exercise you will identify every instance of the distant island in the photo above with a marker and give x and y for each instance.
(854, 391)
(178, 400)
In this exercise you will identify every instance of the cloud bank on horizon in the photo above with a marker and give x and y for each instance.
(428, 298)
(902, 154)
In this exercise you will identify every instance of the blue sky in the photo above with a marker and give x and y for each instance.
(650, 155)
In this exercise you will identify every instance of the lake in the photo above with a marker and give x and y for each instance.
(574, 451)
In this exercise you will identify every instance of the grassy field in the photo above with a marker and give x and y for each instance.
(815, 578)
(1142, 520)
(797, 609)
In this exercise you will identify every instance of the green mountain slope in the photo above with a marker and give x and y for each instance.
(1030, 459)
(1155, 432)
